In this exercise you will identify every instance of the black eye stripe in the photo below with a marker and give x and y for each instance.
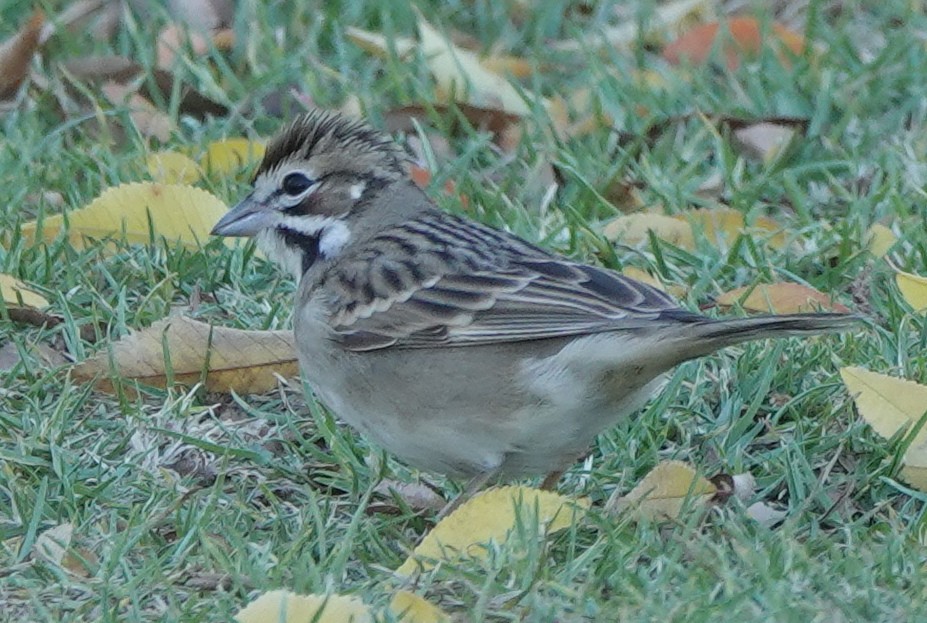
(296, 183)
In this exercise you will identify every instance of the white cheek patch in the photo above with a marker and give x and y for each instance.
(273, 246)
(334, 237)
(357, 190)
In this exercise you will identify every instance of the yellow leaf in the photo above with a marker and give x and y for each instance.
(410, 608)
(665, 491)
(459, 73)
(172, 167)
(643, 276)
(889, 405)
(913, 289)
(378, 45)
(632, 229)
(880, 239)
(285, 607)
(17, 294)
(490, 516)
(181, 213)
(231, 155)
(780, 298)
(720, 224)
(247, 362)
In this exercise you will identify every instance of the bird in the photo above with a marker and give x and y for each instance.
(460, 348)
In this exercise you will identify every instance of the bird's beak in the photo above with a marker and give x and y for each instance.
(246, 219)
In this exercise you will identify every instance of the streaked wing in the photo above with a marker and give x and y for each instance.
(452, 286)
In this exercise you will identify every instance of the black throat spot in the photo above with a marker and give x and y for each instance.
(307, 244)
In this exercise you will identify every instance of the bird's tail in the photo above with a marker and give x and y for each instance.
(704, 336)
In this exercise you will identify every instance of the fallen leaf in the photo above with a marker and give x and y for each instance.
(410, 608)
(880, 240)
(150, 121)
(201, 15)
(139, 213)
(379, 45)
(723, 225)
(231, 155)
(665, 491)
(507, 65)
(224, 359)
(17, 294)
(780, 298)
(417, 496)
(282, 606)
(889, 405)
(913, 289)
(422, 178)
(493, 120)
(742, 39)
(633, 229)
(159, 85)
(16, 55)
(490, 516)
(53, 544)
(645, 277)
(765, 141)
(11, 354)
(666, 16)
(766, 515)
(172, 167)
(460, 76)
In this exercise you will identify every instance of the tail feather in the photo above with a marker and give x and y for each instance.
(704, 336)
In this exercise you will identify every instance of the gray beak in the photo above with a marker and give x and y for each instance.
(246, 219)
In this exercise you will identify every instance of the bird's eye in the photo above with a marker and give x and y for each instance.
(295, 184)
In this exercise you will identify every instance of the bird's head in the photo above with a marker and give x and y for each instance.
(318, 177)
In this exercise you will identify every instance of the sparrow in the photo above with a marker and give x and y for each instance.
(460, 348)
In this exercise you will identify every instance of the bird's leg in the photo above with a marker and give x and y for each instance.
(473, 487)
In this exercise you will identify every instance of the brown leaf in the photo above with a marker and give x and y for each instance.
(224, 359)
(780, 298)
(150, 121)
(742, 39)
(16, 54)
(118, 69)
(493, 120)
(415, 495)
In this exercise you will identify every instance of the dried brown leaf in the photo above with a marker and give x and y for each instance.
(16, 55)
(224, 359)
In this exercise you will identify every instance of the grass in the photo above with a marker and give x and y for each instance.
(186, 505)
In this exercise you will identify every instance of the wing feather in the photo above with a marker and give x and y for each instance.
(459, 283)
